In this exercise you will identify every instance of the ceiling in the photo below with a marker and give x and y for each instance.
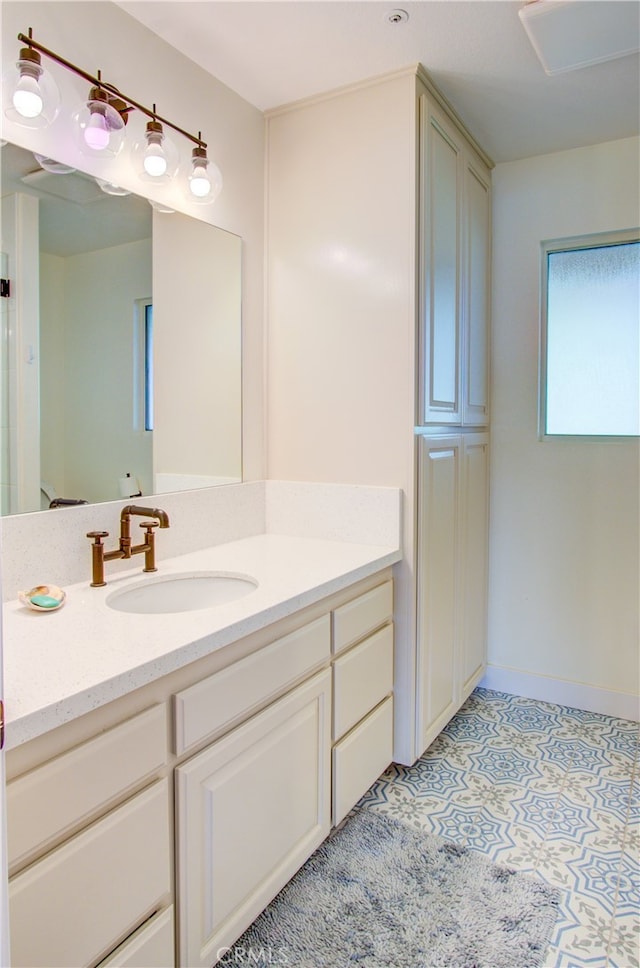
(75, 215)
(477, 51)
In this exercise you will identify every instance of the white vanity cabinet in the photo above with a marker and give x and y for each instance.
(452, 417)
(453, 474)
(152, 831)
(362, 695)
(251, 809)
(473, 561)
(100, 870)
(254, 804)
(438, 517)
(454, 284)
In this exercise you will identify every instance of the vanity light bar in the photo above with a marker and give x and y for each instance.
(108, 88)
(108, 110)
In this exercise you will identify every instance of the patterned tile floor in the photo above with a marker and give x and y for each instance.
(546, 789)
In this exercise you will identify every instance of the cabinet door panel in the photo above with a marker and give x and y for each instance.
(440, 326)
(476, 296)
(439, 473)
(251, 809)
(473, 552)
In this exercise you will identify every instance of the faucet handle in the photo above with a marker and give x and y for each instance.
(97, 558)
(150, 544)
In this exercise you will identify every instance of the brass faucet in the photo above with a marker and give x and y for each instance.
(125, 548)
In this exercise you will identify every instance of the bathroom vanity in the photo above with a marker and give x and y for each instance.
(225, 742)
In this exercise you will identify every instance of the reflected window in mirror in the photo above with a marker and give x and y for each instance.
(148, 366)
(143, 365)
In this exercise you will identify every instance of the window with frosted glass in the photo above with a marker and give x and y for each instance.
(143, 418)
(590, 369)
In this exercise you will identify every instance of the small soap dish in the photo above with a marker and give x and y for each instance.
(43, 598)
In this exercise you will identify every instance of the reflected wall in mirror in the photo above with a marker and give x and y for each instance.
(120, 340)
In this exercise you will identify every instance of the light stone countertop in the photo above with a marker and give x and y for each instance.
(59, 665)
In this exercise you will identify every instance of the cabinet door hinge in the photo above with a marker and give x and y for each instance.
(5, 288)
(1, 724)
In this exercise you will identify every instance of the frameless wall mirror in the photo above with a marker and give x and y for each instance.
(121, 343)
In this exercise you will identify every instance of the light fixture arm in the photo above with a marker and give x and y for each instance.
(98, 82)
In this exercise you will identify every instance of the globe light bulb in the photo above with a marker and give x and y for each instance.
(199, 181)
(99, 124)
(205, 180)
(155, 163)
(154, 159)
(30, 96)
(27, 97)
(96, 133)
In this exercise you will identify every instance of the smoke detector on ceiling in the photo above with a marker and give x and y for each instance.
(571, 34)
(397, 16)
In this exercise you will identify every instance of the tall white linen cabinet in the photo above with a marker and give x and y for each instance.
(378, 227)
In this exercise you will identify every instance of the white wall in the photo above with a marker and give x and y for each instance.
(20, 430)
(341, 196)
(340, 329)
(101, 35)
(564, 538)
(101, 440)
(52, 385)
(198, 409)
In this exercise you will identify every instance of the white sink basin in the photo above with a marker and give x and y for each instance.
(184, 592)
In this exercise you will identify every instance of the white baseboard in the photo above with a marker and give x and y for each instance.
(577, 694)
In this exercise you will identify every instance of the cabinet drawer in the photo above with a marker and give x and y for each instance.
(52, 799)
(79, 901)
(151, 946)
(357, 618)
(360, 758)
(224, 698)
(361, 679)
